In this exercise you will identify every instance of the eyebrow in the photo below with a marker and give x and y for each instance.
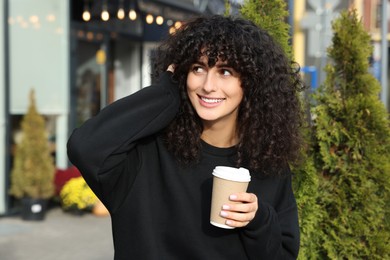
(218, 64)
(199, 62)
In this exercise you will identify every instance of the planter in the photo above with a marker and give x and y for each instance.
(33, 209)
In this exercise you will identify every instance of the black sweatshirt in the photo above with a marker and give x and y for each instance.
(159, 209)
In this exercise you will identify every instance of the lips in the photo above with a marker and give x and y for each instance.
(211, 100)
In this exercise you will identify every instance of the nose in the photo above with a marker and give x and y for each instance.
(210, 83)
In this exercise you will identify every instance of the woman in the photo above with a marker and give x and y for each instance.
(228, 98)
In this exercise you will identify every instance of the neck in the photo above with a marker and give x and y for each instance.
(219, 135)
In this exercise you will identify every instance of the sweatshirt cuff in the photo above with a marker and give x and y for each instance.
(166, 77)
(261, 218)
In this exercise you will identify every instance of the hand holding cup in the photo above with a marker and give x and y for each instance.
(231, 206)
(239, 215)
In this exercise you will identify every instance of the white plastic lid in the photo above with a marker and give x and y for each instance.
(232, 174)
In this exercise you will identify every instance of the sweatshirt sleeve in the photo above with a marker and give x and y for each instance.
(277, 225)
(100, 147)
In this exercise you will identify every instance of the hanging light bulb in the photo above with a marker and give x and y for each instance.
(105, 15)
(121, 12)
(159, 20)
(86, 14)
(132, 14)
(177, 25)
(149, 19)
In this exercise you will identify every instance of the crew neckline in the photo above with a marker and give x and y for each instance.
(210, 149)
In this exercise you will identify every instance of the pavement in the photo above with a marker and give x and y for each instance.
(60, 236)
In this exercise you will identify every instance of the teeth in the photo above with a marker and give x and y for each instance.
(212, 100)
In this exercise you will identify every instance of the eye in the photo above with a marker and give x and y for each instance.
(226, 72)
(197, 69)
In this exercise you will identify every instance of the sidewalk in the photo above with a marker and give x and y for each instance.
(61, 236)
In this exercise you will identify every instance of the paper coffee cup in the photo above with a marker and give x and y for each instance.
(226, 181)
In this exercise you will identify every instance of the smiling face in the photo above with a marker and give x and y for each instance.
(215, 92)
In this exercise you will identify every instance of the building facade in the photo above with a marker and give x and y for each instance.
(78, 56)
(81, 55)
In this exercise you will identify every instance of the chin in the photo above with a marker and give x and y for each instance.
(208, 118)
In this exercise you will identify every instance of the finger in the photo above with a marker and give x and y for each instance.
(243, 197)
(238, 216)
(171, 68)
(241, 207)
(236, 224)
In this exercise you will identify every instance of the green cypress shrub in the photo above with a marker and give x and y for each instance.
(272, 16)
(351, 150)
(306, 188)
(33, 171)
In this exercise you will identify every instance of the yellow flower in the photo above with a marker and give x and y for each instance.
(76, 194)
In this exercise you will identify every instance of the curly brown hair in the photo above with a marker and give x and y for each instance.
(270, 113)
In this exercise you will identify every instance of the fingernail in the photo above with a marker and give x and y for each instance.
(228, 222)
(232, 197)
(224, 214)
(225, 207)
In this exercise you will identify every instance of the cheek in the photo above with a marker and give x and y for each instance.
(241, 95)
(190, 79)
(238, 92)
(189, 89)
(191, 84)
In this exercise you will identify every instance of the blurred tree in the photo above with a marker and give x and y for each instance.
(272, 16)
(33, 171)
(351, 150)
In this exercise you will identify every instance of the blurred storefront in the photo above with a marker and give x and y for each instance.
(3, 114)
(35, 51)
(78, 56)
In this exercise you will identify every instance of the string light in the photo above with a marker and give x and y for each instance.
(177, 25)
(86, 14)
(149, 19)
(121, 11)
(105, 15)
(51, 18)
(159, 20)
(132, 14)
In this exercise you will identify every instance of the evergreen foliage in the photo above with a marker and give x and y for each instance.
(351, 151)
(33, 171)
(306, 185)
(228, 8)
(270, 15)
